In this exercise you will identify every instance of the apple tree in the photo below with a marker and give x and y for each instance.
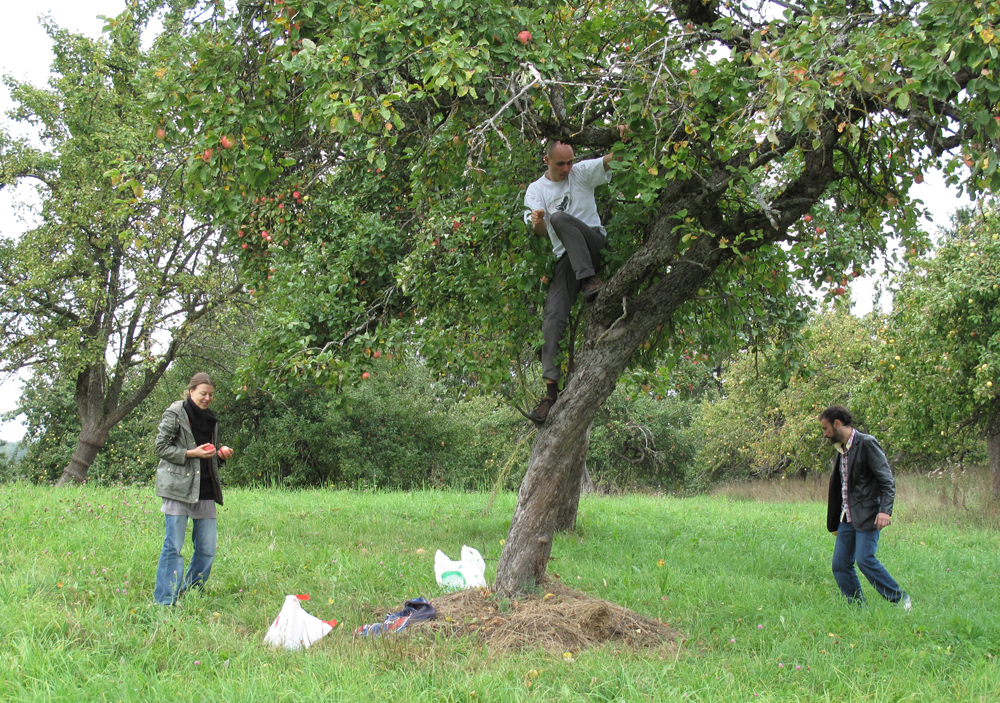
(771, 144)
(939, 352)
(107, 288)
(765, 422)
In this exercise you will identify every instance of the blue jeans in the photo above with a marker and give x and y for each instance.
(859, 547)
(169, 585)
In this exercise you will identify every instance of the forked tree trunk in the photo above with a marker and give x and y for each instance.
(550, 490)
(100, 407)
(639, 299)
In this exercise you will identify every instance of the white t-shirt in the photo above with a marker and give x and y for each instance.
(574, 196)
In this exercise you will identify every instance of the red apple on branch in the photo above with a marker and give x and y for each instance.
(524, 37)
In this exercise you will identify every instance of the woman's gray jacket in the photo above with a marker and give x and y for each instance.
(178, 476)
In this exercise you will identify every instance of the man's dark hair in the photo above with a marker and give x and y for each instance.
(837, 412)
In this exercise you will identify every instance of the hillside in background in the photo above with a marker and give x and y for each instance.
(11, 450)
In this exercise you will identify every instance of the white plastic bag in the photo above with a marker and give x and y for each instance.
(470, 572)
(294, 627)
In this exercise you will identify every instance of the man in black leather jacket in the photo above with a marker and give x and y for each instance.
(862, 491)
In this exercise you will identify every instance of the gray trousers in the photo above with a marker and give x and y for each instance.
(581, 261)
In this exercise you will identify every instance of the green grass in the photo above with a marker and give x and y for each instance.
(747, 583)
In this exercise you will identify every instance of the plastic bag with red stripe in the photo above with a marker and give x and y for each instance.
(294, 628)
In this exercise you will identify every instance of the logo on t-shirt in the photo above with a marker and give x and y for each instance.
(563, 204)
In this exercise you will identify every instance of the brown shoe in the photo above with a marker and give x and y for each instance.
(592, 288)
(541, 410)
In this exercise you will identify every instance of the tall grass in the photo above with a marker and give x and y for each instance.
(961, 496)
(747, 584)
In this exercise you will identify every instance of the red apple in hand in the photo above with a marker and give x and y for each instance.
(524, 37)
(225, 452)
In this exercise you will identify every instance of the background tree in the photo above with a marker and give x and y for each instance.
(939, 352)
(745, 118)
(107, 289)
(764, 421)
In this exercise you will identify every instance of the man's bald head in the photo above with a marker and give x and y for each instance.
(559, 159)
(551, 146)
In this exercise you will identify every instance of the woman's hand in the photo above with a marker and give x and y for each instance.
(225, 452)
(205, 451)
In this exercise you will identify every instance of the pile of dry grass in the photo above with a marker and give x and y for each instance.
(559, 620)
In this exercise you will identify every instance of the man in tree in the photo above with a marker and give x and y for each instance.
(860, 505)
(561, 204)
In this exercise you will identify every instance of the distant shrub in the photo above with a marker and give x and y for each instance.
(401, 429)
(642, 441)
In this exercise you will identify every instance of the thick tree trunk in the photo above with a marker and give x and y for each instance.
(89, 442)
(97, 404)
(560, 449)
(570, 503)
(551, 487)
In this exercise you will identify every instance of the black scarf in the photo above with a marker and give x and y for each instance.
(203, 424)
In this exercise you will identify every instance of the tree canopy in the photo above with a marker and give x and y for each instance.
(371, 157)
(108, 288)
(939, 351)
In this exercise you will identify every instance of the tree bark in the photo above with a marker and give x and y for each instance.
(567, 509)
(99, 408)
(559, 452)
(88, 444)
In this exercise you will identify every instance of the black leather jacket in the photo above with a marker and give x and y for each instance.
(870, 487)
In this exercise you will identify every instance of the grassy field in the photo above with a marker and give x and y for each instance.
(745, 580)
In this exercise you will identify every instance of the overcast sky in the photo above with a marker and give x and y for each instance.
(25, 54)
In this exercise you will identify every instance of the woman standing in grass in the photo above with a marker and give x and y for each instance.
(187, 479)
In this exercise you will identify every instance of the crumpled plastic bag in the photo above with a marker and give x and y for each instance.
(294, 628)
(470, 572)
